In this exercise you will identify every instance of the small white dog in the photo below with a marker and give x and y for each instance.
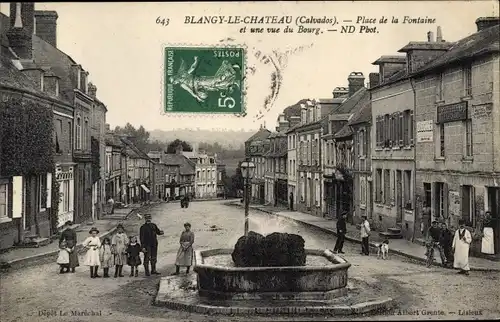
(383, 249)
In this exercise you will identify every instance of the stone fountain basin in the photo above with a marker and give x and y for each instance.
(324, 277)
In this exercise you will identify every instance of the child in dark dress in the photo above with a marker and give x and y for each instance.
(133, 256)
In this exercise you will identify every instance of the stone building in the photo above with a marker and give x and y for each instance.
(206, 173)
(360, 124)
(255, 148)
(393, 146)
(98, 132)
(160, 172)
(140, 170)
(180, 175)
(115, 168)
(458, 129)
(309, 172)
(276, 166)
(337, 140)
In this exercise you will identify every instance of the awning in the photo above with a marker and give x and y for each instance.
(145, 188)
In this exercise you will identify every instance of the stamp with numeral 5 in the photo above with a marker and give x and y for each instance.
(204, 80)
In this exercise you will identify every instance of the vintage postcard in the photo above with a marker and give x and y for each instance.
(249, 161)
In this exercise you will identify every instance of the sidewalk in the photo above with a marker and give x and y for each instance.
(401, 247)
(18, 257)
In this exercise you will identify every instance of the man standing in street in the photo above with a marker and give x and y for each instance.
(291, 201)
(365, 233)
(341, 231)
(149, 242)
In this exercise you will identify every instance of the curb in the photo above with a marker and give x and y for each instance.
(39, 258)
(360, 308)
(372, 245)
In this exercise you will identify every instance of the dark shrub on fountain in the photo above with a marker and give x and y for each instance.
(248, 251)
(276, 249)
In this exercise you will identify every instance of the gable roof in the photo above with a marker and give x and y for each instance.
(350, 103)
(357, 101)
(480, 43)
(261, 134)
(363, 115)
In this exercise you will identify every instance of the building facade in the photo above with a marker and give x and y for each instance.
(276, 170)
(255, 148)
(98, 147)
(393, 147)
(309, 176)
(458, 131)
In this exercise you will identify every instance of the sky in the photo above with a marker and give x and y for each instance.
(121, 46)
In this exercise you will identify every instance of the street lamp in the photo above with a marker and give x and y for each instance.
(247, 170)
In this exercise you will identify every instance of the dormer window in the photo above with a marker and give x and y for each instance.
(79, 79)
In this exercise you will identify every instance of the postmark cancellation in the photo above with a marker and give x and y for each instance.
(204, 79)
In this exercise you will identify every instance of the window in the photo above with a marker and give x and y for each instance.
(440, 200)
(70, 135)
(468, 204)
(409, 124)
(439, 87)
(387, 131)
(198, 175)
(58, 135)
(427, 194)
(65, 196)
(402, 129)
(4, 200)
(42, 192)
(468, 137)
(78, 134)
(387, 187)
(86, 133)
(378, 186)
(361, 143)
(407, 190)
(362, 197)
(467, 77)
(441, 140)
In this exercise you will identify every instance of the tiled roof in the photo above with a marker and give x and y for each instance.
(479, 43)
(261, 134)
(351, 102)
(112, 139)
(12, 77)
(186, 166)
(344, 132)
(132, 150)
(357, 102)
(364, 115)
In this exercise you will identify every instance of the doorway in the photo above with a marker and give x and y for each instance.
(494, 207)
(399, 197)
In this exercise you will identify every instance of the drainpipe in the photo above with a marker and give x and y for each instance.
(414, 159)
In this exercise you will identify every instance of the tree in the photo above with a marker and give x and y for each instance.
(139, 137)
(237, 180)
(172, 146)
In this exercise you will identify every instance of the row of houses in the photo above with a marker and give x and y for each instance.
(51, 134)
(422, 133)
(195, 174)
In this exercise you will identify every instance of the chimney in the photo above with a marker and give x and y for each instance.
(92, 90)
(46, 26)
(356, 82)
(76, 76)
(340, 91)
(21, 29)
(108, 127)
(430, 36)
(26, 13)
(374, 79)
(487, 22)
(439, 34)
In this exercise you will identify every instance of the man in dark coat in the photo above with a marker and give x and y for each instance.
(446, 241)
(149, 242)
(291, 201)
(341, 230)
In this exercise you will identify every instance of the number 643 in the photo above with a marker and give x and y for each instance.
(227, 102)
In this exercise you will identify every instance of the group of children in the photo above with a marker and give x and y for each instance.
(118, 251)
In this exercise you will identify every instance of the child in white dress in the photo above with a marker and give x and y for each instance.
(92, 244)
(106, 256)
(63, 258)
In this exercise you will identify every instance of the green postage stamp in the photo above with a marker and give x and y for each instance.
(204, 80)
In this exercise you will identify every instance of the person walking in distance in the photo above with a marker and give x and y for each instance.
(148, 239)
(365, 234)
(341, 231)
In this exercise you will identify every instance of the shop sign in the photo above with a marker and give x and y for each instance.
(452, 112)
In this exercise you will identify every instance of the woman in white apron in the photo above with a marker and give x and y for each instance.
(487, 242)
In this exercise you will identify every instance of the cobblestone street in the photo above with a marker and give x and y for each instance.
(39, 293)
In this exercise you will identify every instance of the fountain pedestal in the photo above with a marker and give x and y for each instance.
(321, 282)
